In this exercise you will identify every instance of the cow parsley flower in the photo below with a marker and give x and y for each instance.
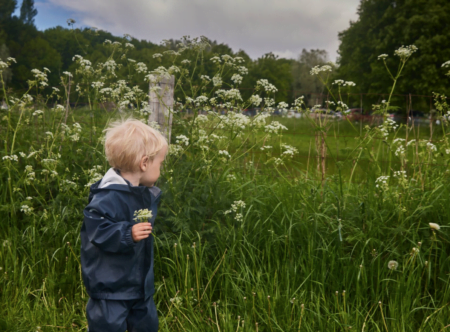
(404, 52)
(224, 153)
(318, 69)
(381, 183)
(382, 56)
(181, 139)
(237, 205)
(275, 128)
(237, 79)
(142, 215)
(217, 80)
(268, 87)
(11, 158)
(289, 151)
(205, 78)
(216, 60)
(26, 209)
(256, 100)
(242, 70)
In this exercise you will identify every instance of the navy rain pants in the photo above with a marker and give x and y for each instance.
(121, 315)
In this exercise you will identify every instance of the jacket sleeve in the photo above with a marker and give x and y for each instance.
(107, 235)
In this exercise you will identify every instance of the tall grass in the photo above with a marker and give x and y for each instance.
(249, 240)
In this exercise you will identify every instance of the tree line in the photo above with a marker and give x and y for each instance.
(382, 27)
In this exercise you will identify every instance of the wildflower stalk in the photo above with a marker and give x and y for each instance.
(382, 315)
(301, 317)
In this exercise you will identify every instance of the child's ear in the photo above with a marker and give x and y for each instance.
(144, 163)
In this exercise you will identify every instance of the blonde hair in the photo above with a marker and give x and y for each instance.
(128, 140)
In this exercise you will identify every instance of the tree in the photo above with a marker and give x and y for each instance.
(28, 12)
(384, 26)
(276, 70)
(303, 82)
(7, 7)
(4, 54)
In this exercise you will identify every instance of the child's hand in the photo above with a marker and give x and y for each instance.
(141, 231)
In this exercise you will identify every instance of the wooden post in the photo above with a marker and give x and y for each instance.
(161, 104)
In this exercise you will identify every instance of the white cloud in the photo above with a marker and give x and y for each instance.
(256, 26)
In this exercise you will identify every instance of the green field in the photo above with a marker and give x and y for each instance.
(248, 238)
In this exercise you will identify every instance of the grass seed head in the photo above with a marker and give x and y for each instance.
(434, 226)
(392, 265)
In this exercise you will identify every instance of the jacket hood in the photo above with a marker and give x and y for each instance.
(114, 181)
(111, 177)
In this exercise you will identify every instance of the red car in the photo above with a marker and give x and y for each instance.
(358, 114)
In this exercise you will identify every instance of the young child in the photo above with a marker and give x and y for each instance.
(116, 248)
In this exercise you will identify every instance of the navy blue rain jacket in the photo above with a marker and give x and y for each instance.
(114, 267)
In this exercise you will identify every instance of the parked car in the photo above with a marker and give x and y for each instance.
(413, 116)
(357, 114)
(325, 113)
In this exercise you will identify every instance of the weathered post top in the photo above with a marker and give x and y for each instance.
(161, 103)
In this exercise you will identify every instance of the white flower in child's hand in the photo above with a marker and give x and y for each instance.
(142, 215)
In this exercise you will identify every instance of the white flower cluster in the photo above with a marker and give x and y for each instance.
(175, 150)
(11, 158)
(224, 153)
(181, 139)
(400, 174)
(229, 95)
(344, 83)
(141, 67)
(289, 151)
(233, 120)
(30, 174)
(299, 102)
(400, 152)
(318, 69)
(388, 125)
(97, 85)
(431, 147)
(67, 185)
(142, 215)
(341, 105)
(266, 148)
(275, 128)
(110, 66)
(255, 100)
(259, 120)
(231, 177)
(283, 106)
(41, 76)
(264, 84)
(382, 57)
(381, 183)
(236, 78)
(404, 52)
(205, 78)
(217, 80)
(26, 209)
(94, 175)
(237, 205)
(242, 70)
(4, 65)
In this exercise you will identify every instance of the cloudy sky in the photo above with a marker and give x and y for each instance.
(284, 27)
